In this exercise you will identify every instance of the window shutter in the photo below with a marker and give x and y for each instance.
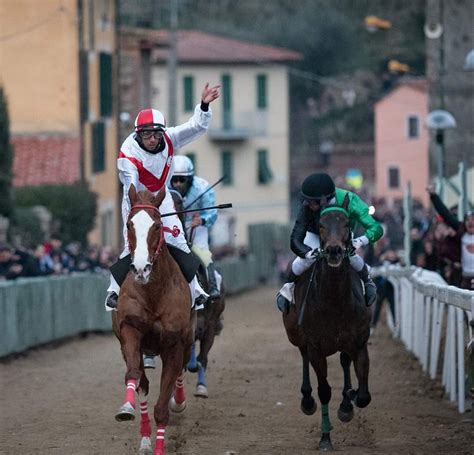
(98, 147)
(188, 84)
(264, 174)
(227, 167)
(105, 65)
(261, 91)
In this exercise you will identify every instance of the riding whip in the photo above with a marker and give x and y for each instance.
(303, 305)
(203, 193)
(220, 206)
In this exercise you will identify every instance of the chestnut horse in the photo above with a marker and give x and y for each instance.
(335, 319)
(209, 323)
(153, 314)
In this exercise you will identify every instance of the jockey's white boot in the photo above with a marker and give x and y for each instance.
(285, 295)
(198, 295)
(112, 295)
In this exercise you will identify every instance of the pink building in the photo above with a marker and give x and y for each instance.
(401, 141)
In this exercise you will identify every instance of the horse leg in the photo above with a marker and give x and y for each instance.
(172, 361)
(205, 346)
(130, 339)
(320, 366)
(145, 424)
(178, 399)
(345, 412)
(192, 364)
(308, 403)
(361, 397)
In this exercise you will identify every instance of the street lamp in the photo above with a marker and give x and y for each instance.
(325, 149)
(469, 61)
(440, 120)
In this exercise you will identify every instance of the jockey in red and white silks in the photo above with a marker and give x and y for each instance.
(153, 172)
(146, 160)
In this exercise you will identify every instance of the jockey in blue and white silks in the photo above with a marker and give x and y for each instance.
(146, 160)
(196, 193)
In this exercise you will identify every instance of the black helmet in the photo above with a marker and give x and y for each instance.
(318, 186)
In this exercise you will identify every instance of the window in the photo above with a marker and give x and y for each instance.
(264, 174)
(393, 177)
(227, 167)
(105, 65)
(106, 227)
(413, 127)
(98, 147)
(261, 91)
(226, 102)
(188, 86)
(84, 85)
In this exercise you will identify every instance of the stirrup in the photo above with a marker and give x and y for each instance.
(282, 304)
(111, 300)
(214, 294)
(370, 293)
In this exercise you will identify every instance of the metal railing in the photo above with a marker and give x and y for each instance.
(427, 312)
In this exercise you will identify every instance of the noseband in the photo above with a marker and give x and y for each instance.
(174, 232)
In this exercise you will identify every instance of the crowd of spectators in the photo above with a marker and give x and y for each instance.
(51, 258)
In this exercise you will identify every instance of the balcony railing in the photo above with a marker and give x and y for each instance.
(239, 126)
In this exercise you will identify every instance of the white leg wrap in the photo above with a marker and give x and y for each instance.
(357, 262)
(287, 291)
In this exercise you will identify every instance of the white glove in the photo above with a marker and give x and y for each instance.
(310, 254)
(359, 242)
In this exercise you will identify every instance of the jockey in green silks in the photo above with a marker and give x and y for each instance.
(318, 191)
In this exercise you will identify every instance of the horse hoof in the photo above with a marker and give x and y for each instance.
(325, 444)
(309, 406)
(145, 446)
(201, 391)
(344, 416)
(126, 412)
(176, 407)
(362, 402)
(351, 394)
(192, 368)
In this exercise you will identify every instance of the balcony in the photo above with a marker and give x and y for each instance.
(239, 126)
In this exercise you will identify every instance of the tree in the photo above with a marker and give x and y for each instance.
(6, 159)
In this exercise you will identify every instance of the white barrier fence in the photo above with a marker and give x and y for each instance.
(428, 311)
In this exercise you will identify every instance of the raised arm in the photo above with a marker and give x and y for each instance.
(448, 217)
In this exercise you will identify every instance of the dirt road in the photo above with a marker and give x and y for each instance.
(63, 400)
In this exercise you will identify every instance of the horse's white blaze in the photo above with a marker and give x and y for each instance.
(142, 223)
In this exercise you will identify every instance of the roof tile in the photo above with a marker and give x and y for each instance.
(40, 160)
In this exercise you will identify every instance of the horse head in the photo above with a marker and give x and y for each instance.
(145, 231)
(335, 234)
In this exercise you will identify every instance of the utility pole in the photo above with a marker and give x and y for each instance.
(173, 63)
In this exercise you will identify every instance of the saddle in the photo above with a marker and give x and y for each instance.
(188, 263)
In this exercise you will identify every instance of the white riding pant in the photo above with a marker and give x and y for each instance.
(171, 222)
(300, 265)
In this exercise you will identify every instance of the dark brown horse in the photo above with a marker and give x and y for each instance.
(154, 315)
(209, 323)
(335, 319)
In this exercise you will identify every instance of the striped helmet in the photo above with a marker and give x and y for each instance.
(150, 120)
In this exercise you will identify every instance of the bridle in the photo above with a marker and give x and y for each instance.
(174, 232)
(349, 249)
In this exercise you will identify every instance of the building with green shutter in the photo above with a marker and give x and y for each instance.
(59, 73)
(248, 142)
